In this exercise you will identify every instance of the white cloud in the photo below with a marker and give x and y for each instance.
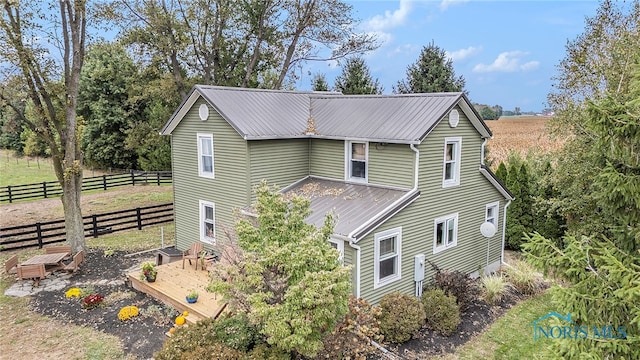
(444, 5)
(508, 61)
(390, 19)
(462, 54)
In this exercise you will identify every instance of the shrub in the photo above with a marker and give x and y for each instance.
(523, 277)
(236, 332)
(494, 288)
(401, 316)
(351, 338)
(443, 313)
(457, 284)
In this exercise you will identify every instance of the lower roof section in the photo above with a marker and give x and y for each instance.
(356, 206)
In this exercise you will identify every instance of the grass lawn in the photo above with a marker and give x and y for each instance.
(28, 335)
(511, 336)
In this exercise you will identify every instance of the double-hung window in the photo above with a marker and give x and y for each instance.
(205, 155)
(357, 157)
(452, 152)
(491, 213)
(207, 222)
(338, 245)
(387, 253)
(445, 232)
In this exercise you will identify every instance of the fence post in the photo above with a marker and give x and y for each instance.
(139, 218)
(9, 189)
(39, 233)
(104, 182)
(158, 177)
(44, 188)
(133, 178)
(94, 220)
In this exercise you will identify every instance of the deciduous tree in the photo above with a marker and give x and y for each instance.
(51, 87)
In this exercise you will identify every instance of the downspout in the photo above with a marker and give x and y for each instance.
(482, 150)
(357, 248)
(504, 230)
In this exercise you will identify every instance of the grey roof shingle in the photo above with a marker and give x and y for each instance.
(354, 204)
(267, 114)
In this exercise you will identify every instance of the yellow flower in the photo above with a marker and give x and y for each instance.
(185, 313)
(127, 312)
(180, 320)
(73, 292)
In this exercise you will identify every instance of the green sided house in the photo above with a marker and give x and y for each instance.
(403, 173)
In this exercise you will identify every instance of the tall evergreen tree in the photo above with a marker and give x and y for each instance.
(432, 72)
(319, 83)
(356, 79)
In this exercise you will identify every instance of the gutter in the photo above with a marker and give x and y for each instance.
(504, 230)
(365, 228)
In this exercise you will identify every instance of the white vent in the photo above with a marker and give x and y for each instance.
(454, 118)
(203, 111)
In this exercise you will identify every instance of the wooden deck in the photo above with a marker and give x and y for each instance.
(172, 285)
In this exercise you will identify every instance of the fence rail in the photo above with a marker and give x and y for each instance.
(48, 189)
(50, 232)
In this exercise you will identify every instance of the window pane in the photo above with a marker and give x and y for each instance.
(450, 229)
(490, 212)
(208, 230)
(387, 246)
(439, 234)
(358, 151)
(206, 147)
(358, 169)
(448, 171)
(207, 164)
(387, 268)
(450, 152)
(333, 245)
(208, 213)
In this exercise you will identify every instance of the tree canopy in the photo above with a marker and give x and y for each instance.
(356, 78)
(284, 274)
(432, 72)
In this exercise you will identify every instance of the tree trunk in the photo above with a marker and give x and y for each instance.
(73, 213)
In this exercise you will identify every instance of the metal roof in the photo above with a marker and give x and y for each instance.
(354, 204)
(406, 118)
(272, 114)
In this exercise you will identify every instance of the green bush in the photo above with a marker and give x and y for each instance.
(351, 338)
(494, 288)
(443, 313)
(188, 339)
(524, 278)
(236, 331)
(457, 284)
(401, 316)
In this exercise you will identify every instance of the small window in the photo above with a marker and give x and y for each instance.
(357, 158)
(445, 232)
(491, 213)
(205, 155)
(338, 245)
(451, 172)
(387, 257)
(207, 222)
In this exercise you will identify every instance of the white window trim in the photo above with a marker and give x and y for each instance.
(458, 158)
(347, 161)
(340, 246)
(201, 173)
(397, 233)
(445, 246)
(203, 237)
(496, 206)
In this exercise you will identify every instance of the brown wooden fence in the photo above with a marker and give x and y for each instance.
(48, 189)
(49, 232)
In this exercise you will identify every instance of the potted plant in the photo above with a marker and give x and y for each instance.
(149, 271)
(192, 296)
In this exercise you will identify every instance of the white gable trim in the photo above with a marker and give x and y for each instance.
(180, 113)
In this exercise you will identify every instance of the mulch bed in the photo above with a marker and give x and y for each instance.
(142, 335)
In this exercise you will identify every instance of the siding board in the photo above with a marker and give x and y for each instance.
(280, 162)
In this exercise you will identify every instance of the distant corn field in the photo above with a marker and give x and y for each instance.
(520, 134)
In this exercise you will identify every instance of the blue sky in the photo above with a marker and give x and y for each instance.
(506, 50)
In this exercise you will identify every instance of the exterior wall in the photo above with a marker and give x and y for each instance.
(391, 165)
(280, 162)
(327, 158)
(417, 220)
(228, 190)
